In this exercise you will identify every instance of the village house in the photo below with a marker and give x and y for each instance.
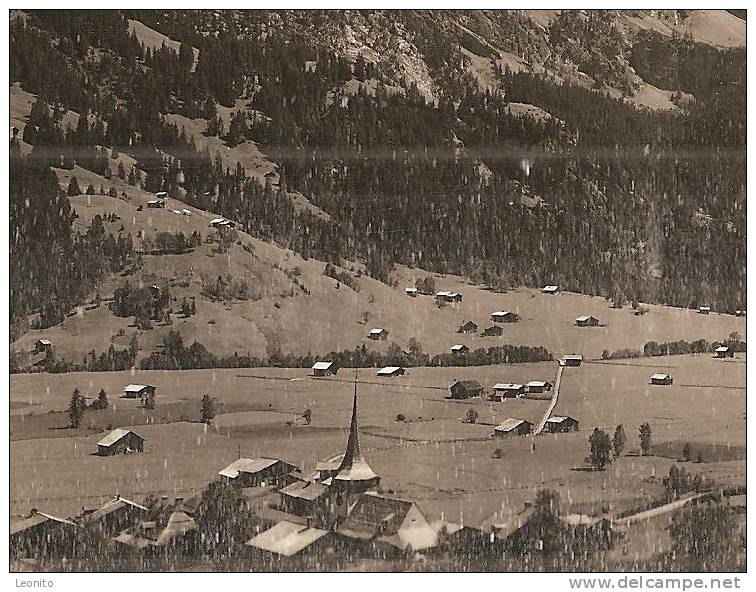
(411, 292)
(114, 516)
(503, 531)
(327, 469)
(539, 386)
(286, 542)
(507, 391)
(381, 526)
(662, 379)
(446, 296)
(572, 360)
(138, 391)
(256, 472)
(41, 535)
(390, 371)
(305, 498)
(170, 528)
(120, 441)
(704, 309)
(323, 369)
(459, 349)
(724, 351)
(42, 345)
(465, 389)
(494, 331)
(587, 321)
(156, 203)
(561, 424)
(550, 289)
(378, 334)
(505, 316)
(513, 427)
(467, 327)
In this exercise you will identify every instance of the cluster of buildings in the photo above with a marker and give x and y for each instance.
(466, 389)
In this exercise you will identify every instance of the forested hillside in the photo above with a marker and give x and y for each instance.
(383, 122)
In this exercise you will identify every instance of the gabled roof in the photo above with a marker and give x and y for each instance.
(217, 220)
(538, 383)
(44, 341)
(471, 384)
(501, 313)
(559, 419)
(410, 289)
(573, 357)
(306, 490)
(389, 370)
(112, 506)
(723, 348)
(36, 519)
(510, 424)
(551, 288)
(507, 386)
(286, 538)
(377, 330)
(322, 365)
(586, 318)
(135, 388)
(458, 347)
(506, 522)
(114, 436)
(332, 464)
(247, 465)
(660, 376)
(444, 294)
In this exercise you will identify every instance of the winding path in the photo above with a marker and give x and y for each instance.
(552, 404)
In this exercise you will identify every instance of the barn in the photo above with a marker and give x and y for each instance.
(704, 309)
(504, 390)
(305, 498)
(378, 334)
(115, 516)
(465, 389)
(513, 427)
(459, 349)
(156, 203)
(586, 321)
(572, 360)
(288, 540)
(42, 345)
(323, 369)
(138, 391)
(662, 379)
(539, 386)
(468, 327)
(724, 351)
(561, 424)
(41, 535)
(120, 441)
(494, 331)
(448, 296)
(255, 472)
(390, 371)
(505, 316)
(550, 289)
(411, 292)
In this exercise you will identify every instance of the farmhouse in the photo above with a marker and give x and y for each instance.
(287, 540)
(120, 441)
(503, 530)
(161, 194)
(664, 379)
(42, 345)
(507, 391)
(411, 292)
(704, 309)
(40, 535)
(724, 351)
(572, 360)
(392, 371)
(513, 427)
(382, 526)
(559, 424)
(156, 203)
(550, 289)
(448, 296)
(169, 526)
(138, 391)
(222, 223)
(114, 516)
(587, 321)
(459, 349)
(305, 498)
(378, 334)
(494, 331)
(505, 316)
(468, 327)
(465, 389)
(539, 386)
(323, 369)
(256, 472)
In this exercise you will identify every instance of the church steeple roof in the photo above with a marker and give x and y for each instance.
(354, 467)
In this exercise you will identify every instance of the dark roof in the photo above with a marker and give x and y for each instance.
(373, 514)
(305, 490)
(36, 519)
(112, 506)
(468, 384)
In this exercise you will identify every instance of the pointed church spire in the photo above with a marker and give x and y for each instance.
(354, 467)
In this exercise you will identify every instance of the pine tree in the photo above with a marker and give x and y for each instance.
(645, 439)
(208, 409)
(76, 409)
(619, 440)
(73, 187)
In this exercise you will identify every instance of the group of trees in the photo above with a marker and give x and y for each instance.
(603, 449)
(145, 304)
(680, 347)
(78, 406)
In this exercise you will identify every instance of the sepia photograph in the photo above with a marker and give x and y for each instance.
(329, 290)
